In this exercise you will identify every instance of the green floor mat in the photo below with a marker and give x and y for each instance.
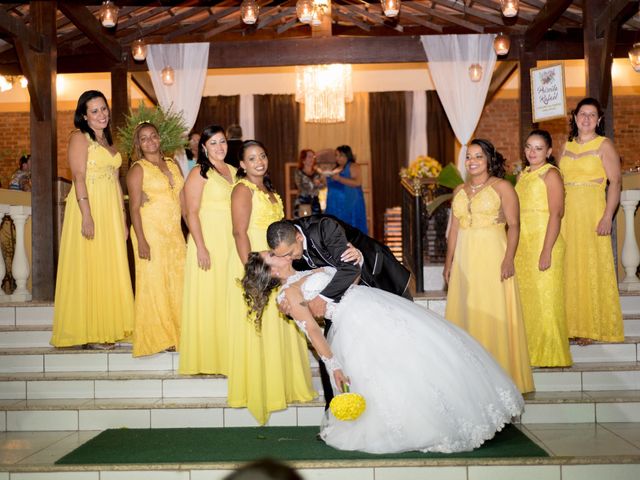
(184, 445)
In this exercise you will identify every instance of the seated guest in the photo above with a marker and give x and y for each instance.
(21, 178)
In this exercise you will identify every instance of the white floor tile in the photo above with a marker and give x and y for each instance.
(624, 380)
(628, 431)
(124, 361)
(194, 387)
(618, 412)
(604, 352)
(582, 440)
(310, 416)
(421, 473)
(13, 389)
(4, 475)
(25, 339)
(42, 420)
(150, 388)
(144, 475)
(34, 315)
(41, 389)
(557, 381)
(630, 304)
(101, 419)
(515, 472)
(52, 451)
(21, 363)
(283, 418)
(337, 474)
(210, 474)
(187, 417)
(8, 316)
(76, 362)
(238, 417)
(558, 413)
(56, 476)
(632, 327)
(599, 472)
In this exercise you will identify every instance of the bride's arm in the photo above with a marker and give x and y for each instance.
(300, 312)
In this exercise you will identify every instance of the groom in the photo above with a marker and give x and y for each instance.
(323, 240)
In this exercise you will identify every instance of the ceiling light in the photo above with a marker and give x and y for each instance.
(108, 14)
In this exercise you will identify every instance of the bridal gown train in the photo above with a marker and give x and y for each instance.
(428, 384)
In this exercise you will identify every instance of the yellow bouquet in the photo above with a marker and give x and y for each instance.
(422, 167)
(347, 406)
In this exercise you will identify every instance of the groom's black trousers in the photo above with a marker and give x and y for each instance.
(324, 375)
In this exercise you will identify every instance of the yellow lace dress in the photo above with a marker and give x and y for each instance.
(269, 369)
(591, 289)
(541, 293)
(477, 300)
(159, 281)
(94, 298)
(205, 341)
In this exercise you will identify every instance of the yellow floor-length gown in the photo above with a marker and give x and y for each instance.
(270, 368)
(477, 300)
(94, 298)
(159, 281)
(591, 290)
(541, 292)
(205, 341)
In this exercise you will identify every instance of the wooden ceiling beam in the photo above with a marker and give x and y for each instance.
(501, 74)
(235, 20)
(288, 25)
(209, 20)
(347, 16)
(162, 24)
(546, 17)
(618, 12)
(473, 12)
(136, 20)
(574, 17)
(421, 21)
(445, 16)
(16, 28)
(143, 81)
(91, 27)
(283, 12)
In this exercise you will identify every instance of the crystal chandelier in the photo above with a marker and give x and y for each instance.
(634, 57)
(108, 14)
(324, 90)
(509, 7)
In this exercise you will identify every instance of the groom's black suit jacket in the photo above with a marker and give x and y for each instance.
(327, 239)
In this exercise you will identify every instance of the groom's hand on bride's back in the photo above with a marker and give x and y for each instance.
(317, 307)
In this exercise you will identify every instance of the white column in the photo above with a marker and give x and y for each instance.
(630, 253)
(4, 209)
(20, 267)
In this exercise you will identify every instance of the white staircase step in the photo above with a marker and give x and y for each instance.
(25, 336)
(588, 377)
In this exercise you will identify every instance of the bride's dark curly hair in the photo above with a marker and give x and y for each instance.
(257, 285)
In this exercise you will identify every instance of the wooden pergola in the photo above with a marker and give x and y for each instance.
(41, 38)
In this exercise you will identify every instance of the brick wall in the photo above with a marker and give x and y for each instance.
(499, 124)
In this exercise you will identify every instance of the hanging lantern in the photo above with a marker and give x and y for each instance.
(304, 10)
(168, 75)
(390, 7)
(475, 72)
(501, 44)
(23, 81)
(249, 11)
(316, 18)
(509, 7)
(634, 57)
(139, 50)
(6, 83)
(108, 14)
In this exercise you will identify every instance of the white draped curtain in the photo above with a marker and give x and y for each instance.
(189, 62)
(418, 126)
(247, 122)
(450, 57)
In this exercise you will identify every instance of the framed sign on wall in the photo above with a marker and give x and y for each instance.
(548, 99)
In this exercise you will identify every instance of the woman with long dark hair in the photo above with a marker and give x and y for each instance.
(269, 365)
(94, 298)
(479, 268)
(204, 338)
(589, 162)
(309, 181)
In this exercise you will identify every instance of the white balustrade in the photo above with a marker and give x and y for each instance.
(20, 268)
(630, 253)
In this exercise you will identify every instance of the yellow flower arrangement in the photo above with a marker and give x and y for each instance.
(422, 167)
(347, 406)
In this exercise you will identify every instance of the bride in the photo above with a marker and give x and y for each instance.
(428, 385)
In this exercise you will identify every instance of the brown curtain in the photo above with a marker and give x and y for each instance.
(276, 126)
(219, 110)
(440, 136)
(388, 133)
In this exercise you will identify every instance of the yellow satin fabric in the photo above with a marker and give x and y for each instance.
(591, 291)
(541, 293)
(205, 341)
(94, 298)
(159, 281)
(477, 300)
(270, 368)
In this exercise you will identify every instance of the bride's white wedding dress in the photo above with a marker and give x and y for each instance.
(428, 385)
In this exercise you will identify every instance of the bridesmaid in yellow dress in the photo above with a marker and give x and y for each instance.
(269, 359)
(540, 254)
(588, 162)
(94, 299)
(479, 268)
(205, 341)
(155, 204)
